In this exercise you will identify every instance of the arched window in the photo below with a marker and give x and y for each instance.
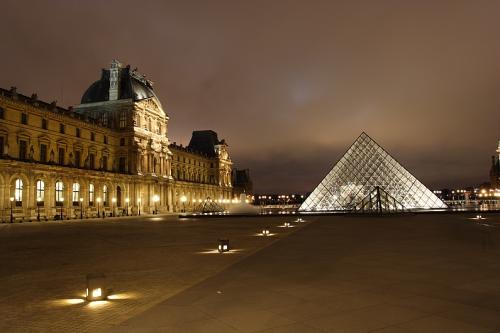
(105, 196)
(91, 194)
(59, 193)
(40, 192)
(76, 194)
(18, 192)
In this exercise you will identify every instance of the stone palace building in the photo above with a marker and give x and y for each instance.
(108, 155)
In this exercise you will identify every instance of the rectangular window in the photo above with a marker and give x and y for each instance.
(77, 132)
(2, 143)
(24, 118)
(105, 163)
(92, 136)
(2, 113)
(23, 149)
(43, 153)
(122, 141)
(62, 129)
(121, 164)
(105, 139)
(77, 158)
(61, 156)
(44, 124)
(123, 120)
(91, 161)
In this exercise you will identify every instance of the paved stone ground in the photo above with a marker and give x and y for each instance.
(413, 273)
(146, 260)
(420, 273)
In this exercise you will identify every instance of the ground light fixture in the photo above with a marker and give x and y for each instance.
(286, 224)
(479, 217)
(300, 220)
(96, 287)
(265, 231)
(223, 245)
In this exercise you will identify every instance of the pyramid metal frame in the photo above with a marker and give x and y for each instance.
(364, 167)
(208, 206)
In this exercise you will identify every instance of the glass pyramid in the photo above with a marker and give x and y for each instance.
(367, 178)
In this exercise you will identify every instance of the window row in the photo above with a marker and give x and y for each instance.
(76, 197)
(62, 127)
(74, 158)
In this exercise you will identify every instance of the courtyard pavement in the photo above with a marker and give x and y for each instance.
(407, 273)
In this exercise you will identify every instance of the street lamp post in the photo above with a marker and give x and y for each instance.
(11, 212)
(139, 205)
(81, 208)
(113, 201)
(127, 201)
(98, 202)
(62, 203)
(38, 209)
(156, 198)
(183, 200)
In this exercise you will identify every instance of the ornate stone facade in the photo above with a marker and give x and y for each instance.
(109, 154)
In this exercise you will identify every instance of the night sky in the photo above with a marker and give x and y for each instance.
(288, 84)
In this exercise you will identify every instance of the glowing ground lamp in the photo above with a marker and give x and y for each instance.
(286, 224)
(223, 245)
(479, 217)
(265, 231)
(300, 220)
(96, 287)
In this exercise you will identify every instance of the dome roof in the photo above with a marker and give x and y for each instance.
(131, 85)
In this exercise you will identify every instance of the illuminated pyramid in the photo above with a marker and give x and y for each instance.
(368, 179)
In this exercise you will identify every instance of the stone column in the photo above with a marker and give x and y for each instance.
(169, 198)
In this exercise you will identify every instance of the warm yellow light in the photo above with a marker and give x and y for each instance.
(11, 199)
(81, 199)
(127, 200)
(98, 304)
(183, 198)
(113, 200)
(96, 293)
(156, 198)
(138, 200)
(38, 199)
(98, 199)
(73, 301)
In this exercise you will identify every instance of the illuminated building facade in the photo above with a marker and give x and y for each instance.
(110, 154)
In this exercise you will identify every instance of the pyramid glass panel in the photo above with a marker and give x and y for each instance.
(366, 167)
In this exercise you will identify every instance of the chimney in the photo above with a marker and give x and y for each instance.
(114, 80)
